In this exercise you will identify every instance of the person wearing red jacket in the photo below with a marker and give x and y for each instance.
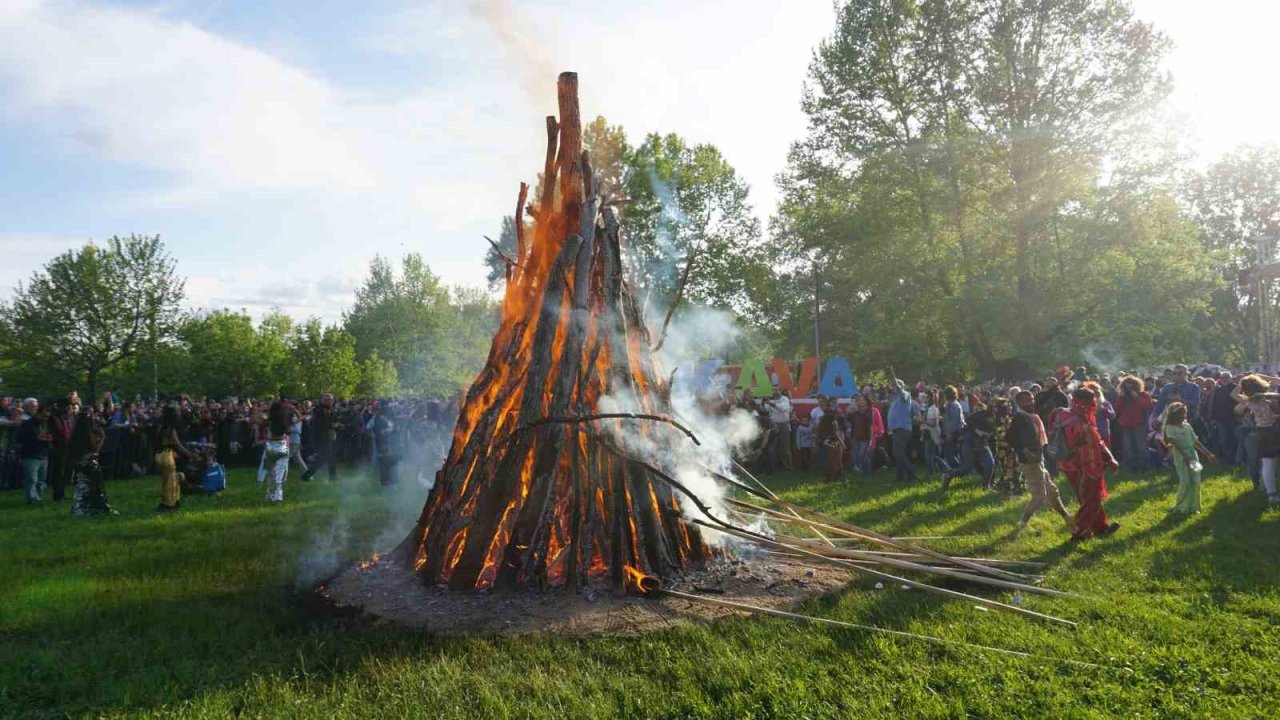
(1086, 465)
(1133, 410)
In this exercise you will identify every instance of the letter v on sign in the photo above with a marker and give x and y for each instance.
(808, 375)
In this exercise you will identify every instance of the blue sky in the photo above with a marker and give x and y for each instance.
(278, 146)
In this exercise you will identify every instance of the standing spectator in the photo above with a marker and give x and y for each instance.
(385, 452)
(952, 429)
(60, 424)
(1050, 400)
(1133, 408)
(1222, 413)
(831, 445)
(804, 443)
(900, 429)
(931, 427)
(1180, 390)
(36, 441)
(862, 421)
(815, 419)
(295, 440)
(324, 428)
(779, 407)
(1086, 464)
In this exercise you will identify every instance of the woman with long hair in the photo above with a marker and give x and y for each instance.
(171, 447)
(1086, 464)
(276, 452)
(89, 494)
(1254, 396)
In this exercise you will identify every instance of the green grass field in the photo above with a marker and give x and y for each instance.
(204, 614)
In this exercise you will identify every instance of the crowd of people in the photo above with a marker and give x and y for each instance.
(1019, 437)
(48, 446)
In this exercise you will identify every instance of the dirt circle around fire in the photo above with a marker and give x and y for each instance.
(382, 591)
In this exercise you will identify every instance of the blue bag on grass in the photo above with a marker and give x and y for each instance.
(215, 479)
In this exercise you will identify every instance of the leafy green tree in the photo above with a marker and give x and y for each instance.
(324, 360)
(688, 202)
(378, 378)
(402, 317)
(224, 348)
(90, 309)
(949, 196)
(1236, 203)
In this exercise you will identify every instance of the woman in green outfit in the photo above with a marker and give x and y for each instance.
(1183, 444)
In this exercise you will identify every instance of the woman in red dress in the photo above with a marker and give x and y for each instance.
(1086, 465)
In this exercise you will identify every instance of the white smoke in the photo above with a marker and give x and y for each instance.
(370, 518)
(1103, 358)
(696, 334)
(523, 53)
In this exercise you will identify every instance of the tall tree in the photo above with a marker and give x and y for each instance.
(951, 185)
(378, 378)
(402, 317)
(225, 346)
(90, 309)
(1236, 202)
(689, 204)
(324, 360)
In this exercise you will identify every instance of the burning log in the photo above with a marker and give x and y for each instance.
(525, 496)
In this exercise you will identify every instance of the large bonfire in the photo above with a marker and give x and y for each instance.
(546, 486)
(528, 495)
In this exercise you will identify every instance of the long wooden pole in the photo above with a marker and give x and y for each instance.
(756, 609)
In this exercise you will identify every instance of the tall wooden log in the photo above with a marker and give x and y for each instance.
(518, 503)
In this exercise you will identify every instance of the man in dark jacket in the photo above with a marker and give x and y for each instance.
(1222, 413)
(59, 470)
(1027, 438)
(323, 434)
(36, 440)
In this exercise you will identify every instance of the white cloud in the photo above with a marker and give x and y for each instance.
(268, 163)
(22, 255)
(147, 90)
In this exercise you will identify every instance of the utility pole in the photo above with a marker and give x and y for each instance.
(817, 312)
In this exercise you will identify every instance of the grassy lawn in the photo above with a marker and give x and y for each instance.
(203, 614)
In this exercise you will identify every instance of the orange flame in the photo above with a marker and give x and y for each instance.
(639, 582)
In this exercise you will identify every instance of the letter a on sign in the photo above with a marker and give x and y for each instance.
(837, 380)
(808, 372)
(754, 378)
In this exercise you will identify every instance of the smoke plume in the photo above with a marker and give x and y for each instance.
(521, 51)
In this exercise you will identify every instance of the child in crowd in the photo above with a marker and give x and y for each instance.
(804, 443)
(1183, 445)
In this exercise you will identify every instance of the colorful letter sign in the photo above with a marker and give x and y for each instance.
(753, 376)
